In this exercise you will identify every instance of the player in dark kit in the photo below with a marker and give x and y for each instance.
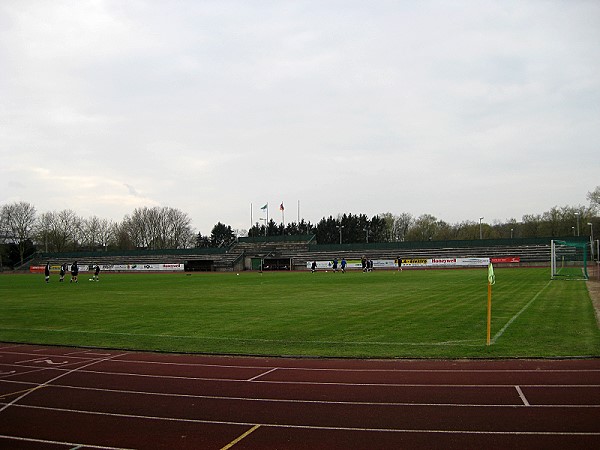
(63, 270)
(96, 272)
(74, 272)
(47, 272)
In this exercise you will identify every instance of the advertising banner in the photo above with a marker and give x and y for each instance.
(55, 268)
(354, 264)
(116, 268)
(142, 267)
(507, 259)
(408, 262)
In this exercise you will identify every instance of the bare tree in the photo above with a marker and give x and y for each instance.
(594, 198)
(43, 230)
(19, 221)
(67, 230)
(158, 228)
(402, 224)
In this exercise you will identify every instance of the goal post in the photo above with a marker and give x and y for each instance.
(568, 260)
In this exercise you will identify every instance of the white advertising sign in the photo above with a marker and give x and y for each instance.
(407, 262)
(142, 267)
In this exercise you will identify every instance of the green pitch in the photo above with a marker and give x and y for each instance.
(433, 313)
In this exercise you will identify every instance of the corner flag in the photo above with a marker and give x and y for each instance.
(491, 281)
(491, 276)
(281, 208)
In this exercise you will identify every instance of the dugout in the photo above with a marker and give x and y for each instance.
(199, 265)
(271, 263)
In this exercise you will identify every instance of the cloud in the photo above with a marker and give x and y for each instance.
(420, 107)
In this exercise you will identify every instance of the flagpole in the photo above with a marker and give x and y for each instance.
(250, 215)
(489, 313)
(491, 280)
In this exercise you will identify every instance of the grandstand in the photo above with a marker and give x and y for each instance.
(293, 253)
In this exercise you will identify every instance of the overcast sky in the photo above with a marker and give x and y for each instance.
(459, 109)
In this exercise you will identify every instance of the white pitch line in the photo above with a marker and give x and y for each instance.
(513, 318)
(467, 342)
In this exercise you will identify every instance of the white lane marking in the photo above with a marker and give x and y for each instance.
(315, 427)
(523, 398)
(260, 375)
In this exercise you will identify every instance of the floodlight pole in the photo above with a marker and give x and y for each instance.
(480, 229)
(577, 214)
(591, 239)
(339, 227)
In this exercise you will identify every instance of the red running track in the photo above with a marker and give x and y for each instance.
(68, 398)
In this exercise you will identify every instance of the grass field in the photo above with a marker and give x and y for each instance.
(435, 313)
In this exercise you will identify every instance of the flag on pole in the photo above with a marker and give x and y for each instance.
(281, 208)
(265, 207)
(491, 276)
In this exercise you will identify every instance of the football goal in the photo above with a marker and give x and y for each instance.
(568, 260)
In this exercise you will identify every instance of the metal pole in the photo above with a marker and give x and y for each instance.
(591, 239)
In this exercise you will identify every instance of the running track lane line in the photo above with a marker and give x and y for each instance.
(46, 383)
(47, 441)
(242, 436)
(319, 427)
(520, 392)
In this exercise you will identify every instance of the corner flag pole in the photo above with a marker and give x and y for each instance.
(491, 281)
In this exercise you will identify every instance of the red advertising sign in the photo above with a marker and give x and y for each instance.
(506, 259)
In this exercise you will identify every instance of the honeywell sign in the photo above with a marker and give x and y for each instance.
(445, 262)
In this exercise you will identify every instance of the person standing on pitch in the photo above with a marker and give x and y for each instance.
(313, 267)
(334, 265)
(63, 270)
(47, 272)
(96, 272)
(343, 265)
(74, 272)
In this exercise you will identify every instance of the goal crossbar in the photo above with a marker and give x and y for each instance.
(568, 260)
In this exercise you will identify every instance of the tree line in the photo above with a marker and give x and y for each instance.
(23, 231)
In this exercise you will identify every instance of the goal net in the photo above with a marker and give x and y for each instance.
(568, 260)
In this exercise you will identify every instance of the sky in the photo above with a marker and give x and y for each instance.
(458, 109)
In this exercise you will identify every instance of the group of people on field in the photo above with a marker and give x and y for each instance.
(367, 264)
(74, 272)
(334, 265)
